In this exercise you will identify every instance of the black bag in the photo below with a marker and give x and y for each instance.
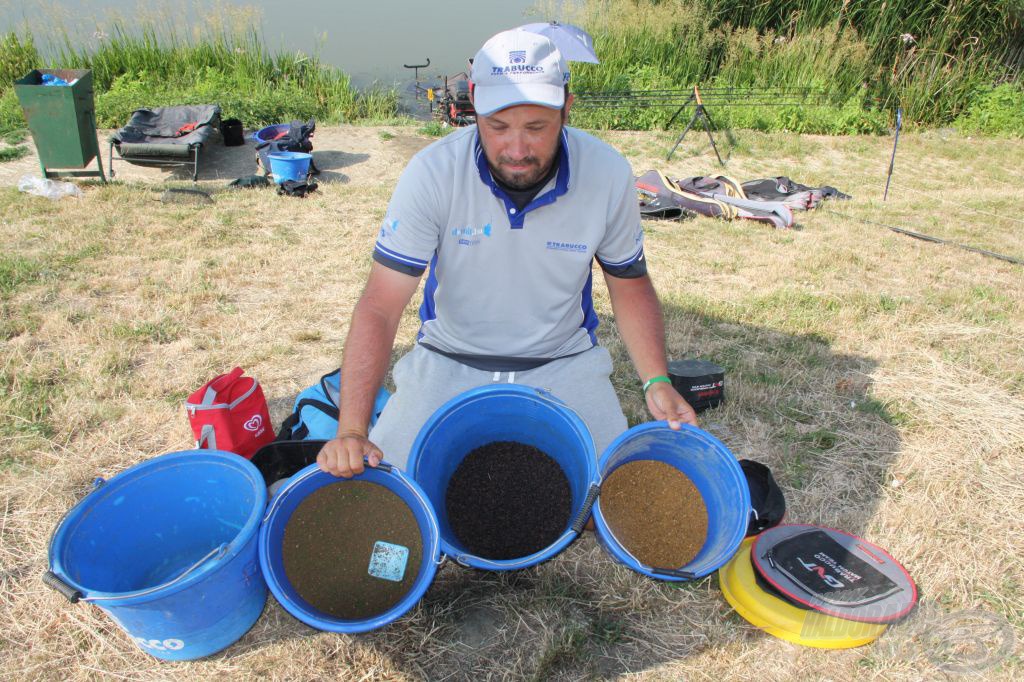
(296, 188)
(297, 139)
(768, 504)
(283, 458)
(232, 132)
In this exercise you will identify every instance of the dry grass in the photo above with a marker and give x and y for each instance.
(882, 379)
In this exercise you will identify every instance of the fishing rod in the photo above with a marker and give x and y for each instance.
(727, 96)
(931, 238)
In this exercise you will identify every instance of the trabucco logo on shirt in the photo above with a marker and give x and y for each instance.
(470, 236)
(574, 247)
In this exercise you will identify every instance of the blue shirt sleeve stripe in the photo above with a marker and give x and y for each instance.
(384, 251)
(618, 264)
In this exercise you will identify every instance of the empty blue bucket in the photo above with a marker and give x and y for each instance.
(289, 166)
(713, 470)
(288, 499)
(167, 549)
(504, 412)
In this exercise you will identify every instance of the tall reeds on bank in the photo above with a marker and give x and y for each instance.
(933, 59)
(152, 63)
(942, 62)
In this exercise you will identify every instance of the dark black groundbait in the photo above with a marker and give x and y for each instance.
(508, 500)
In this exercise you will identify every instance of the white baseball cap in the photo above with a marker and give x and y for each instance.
(518, 67)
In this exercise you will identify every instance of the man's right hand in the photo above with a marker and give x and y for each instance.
(343, 456)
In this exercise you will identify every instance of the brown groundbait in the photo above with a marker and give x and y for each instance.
(330, 538)
(656, 513)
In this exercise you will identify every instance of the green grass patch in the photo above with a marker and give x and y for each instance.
(887, 411)
(15, 321)
(995, 111)
(802, 449)
(435, 129)
(28, 399)
(19, 271)
(161, 331)
(13, 153)
(16, 271)
(14, 137)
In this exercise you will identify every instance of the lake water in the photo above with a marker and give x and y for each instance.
(370, 40)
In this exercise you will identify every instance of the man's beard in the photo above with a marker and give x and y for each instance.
(526, 178)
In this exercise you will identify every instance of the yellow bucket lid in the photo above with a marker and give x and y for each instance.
(783, 620)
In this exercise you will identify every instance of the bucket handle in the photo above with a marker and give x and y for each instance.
(588, 504)
(54, 581)
(675, 573)
(50, 578)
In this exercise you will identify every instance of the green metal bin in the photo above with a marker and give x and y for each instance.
(62, 120)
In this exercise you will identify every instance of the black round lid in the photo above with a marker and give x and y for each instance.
(834, 572)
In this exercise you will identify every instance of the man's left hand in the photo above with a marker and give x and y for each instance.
(664, 402)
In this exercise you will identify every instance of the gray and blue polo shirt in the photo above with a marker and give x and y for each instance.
(510, 289)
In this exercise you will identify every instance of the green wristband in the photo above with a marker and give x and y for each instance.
(656, 380)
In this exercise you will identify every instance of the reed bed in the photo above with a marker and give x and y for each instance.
(153, 63)
(935, 60)
(942, 63)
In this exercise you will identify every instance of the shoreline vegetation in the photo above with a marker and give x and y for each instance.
(943, 63)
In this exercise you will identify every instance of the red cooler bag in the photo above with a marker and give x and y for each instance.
(230, 413)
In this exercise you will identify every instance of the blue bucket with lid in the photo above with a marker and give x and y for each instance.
(167, 549)
(712, 468)
(504, 412)
(287, 500)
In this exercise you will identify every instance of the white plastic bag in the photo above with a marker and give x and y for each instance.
(44, 187)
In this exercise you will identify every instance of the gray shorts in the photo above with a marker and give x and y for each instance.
(425, 380)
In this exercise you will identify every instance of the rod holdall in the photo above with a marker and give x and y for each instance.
(833, 572)
(767, 503)
(316, 411)
(230, 412)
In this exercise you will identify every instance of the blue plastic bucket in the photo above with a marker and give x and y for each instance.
(167, 549)
(288, 499)
(504, 412)
(712, 469)
(289, 166)
(271, 133)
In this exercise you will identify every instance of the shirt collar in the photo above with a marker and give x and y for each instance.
(561, 180)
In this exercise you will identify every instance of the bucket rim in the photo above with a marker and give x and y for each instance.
(607, 537)
(462, 557)
(289, 156)
(199, 571)
(433, 559)
(275, 127)
(444, 411)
